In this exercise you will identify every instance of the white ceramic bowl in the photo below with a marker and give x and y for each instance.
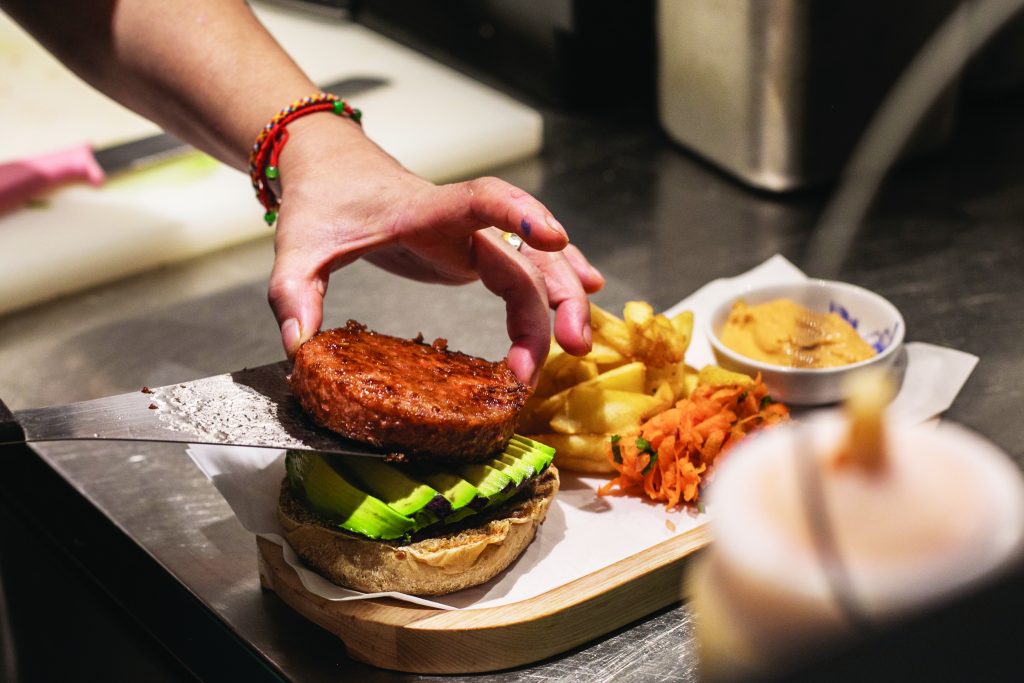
(876, 320)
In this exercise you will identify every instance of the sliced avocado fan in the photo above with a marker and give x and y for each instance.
(383, 501)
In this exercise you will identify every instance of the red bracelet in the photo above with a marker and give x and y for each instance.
(270, 141)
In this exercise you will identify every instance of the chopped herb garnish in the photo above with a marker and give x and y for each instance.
(616, 452)
(650, 463)
(742, 397)
(700, 507)
(767, 401)
(644, 446)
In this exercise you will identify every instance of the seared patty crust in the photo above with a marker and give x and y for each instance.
(419, 401)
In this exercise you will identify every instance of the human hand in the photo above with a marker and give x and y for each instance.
(344, 199)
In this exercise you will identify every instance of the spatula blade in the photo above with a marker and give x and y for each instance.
(251, 407)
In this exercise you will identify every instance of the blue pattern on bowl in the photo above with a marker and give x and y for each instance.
(833, 307)
(879, 339)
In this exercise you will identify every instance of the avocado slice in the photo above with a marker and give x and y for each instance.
(406, 495)
(525, 445)
(331, 494)
(518, 469)
(531, 444)
(491, 482)
(459, 492)
(540, 460)
(379, 500)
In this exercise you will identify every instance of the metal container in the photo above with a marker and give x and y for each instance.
(777, 92)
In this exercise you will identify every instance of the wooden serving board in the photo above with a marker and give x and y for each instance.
(405, 637)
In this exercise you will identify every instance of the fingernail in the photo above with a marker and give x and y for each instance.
(555, 225)
(290, 335)
(587, 334)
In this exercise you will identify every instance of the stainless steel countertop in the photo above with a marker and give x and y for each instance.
(945, 244)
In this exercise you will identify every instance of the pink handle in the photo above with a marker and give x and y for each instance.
(26, 178)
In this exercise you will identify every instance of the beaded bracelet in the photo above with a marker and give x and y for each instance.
(270, 141)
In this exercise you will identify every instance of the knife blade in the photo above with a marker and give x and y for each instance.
(250, 407)
(24, 179)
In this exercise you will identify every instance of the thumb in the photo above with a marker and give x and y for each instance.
(297, 298)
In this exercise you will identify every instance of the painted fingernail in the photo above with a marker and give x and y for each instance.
(525, 227)
(555, 225)
(290, 335)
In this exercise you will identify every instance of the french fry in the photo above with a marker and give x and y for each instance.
(690, 382)
(637, 315)
(665, 395)
(605, 356)
(539, 409)
(720, 377)
(629, 377)
(594, 410)
(610, 331)
(579, 452)
(575, 373)
(674, 375)
(654, 339)
(591, 465)
(683, 324)
(556, 362)
(635, 369)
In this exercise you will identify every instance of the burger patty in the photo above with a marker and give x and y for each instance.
(419, 401)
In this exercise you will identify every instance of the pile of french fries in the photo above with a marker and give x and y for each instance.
(635, 370)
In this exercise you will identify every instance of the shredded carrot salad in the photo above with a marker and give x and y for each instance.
(674, 449)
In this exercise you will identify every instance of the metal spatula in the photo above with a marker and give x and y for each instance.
(251, 407)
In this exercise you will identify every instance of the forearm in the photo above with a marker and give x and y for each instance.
(205, 70)
(208, 71)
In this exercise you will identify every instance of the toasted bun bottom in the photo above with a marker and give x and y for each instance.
(440, 564)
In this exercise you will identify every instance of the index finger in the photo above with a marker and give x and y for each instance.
(460, 209)
(517, 281)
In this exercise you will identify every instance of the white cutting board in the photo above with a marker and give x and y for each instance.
(437, 122)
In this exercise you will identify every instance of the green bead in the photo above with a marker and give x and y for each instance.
(271, 173)
(339, 107)
(270, 217)
(357, 115)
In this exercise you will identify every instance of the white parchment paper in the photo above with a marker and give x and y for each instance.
(583, 533)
